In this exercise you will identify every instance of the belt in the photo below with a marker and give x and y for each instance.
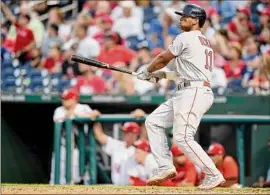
(192, 84)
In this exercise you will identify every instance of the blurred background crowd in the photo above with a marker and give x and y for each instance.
(39, 37)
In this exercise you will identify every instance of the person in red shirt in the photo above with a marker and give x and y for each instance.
(234, 67)
(240, 28)
(186, 172)
(54, 60)
(113, 51)
(225, 164)
(89, 83)
(24, 40)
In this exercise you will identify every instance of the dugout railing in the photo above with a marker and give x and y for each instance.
(240, 122)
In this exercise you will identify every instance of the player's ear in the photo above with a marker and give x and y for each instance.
(195, 21)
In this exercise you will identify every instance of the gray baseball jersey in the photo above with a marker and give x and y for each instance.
(194, 56)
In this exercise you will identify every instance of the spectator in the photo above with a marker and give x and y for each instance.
(128, 25)
(252, 59)
(264, 40)
(103, 7)
(120, 83)
(225, 8)
(186, 172)
(54, 60)
(89, 83)
(57, 17)
(240, 28)
(143, 57)
(113, 51)
(264, 20)
(87, 46)
(24, 40)
(119, 151)
(36, 58)
(214, 18)
(70, 109)
(52, 39)
(118, 11)
(234, 67)
(225, 164)
(70, 69)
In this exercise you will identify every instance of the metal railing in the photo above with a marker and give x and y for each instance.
(240, 121)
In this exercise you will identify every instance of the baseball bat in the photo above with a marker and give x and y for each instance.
(170, 75)
(98, 64)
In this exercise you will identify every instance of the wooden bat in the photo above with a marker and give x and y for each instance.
(98, 64)
(91, 62)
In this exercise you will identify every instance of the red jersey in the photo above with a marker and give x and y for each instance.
(235, 72)
(116, 54)
(186, 173)
(95, 85)
(229, 168)
(23, 38)
(50, 63)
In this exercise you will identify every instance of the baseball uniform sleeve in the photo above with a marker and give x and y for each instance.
(59, 115)
(178, 45)
(112, 145)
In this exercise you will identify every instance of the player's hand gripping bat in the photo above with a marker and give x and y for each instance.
(98, 64)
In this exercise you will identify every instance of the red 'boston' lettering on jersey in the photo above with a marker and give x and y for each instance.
(204, 41)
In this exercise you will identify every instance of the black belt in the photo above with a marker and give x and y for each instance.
(188, 84)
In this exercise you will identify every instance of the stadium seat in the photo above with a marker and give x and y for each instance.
(9, 83)
(36, 84)
(8, 71)
(33, 73)
(132, 42)
(62, 85)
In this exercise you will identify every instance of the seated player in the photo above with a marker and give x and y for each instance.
(186, 172)
(142, 166)
(225, 164)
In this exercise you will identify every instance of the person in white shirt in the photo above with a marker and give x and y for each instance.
(128, 25)
(70, 109)
(143, 165)
(119, 151)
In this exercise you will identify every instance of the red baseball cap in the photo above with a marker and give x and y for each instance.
(265, 11)
(70, 94)
(143, 145)
(176, 151)
(131, 127)
(215, 149)
(244, 10)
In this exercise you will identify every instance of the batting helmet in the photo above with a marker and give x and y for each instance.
(194, 11)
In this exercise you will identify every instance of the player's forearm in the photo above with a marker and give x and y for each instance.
(99, 134)
(158, 63)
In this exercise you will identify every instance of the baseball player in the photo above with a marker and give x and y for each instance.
(119, 151)
(225, 164)
(192, 57)
(70, 109)
(142, 165)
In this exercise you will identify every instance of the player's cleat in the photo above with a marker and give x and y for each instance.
(157, 179)
(210, 182)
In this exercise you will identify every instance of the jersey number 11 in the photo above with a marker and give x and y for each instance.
(208, 60)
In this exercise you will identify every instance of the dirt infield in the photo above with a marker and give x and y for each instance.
(105, 189)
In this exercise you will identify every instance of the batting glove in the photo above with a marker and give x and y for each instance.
(147, 76)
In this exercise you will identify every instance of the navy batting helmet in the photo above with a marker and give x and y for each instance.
(194, 11)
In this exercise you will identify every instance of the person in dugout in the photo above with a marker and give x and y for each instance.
(119, 151)
(225, 164)
(142, 166)
(70, 108)
(186, 172)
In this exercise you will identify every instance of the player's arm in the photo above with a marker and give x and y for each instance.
(99, 134)
(160, 61)
(8, 13)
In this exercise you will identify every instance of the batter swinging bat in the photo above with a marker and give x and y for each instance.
(98, 64)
